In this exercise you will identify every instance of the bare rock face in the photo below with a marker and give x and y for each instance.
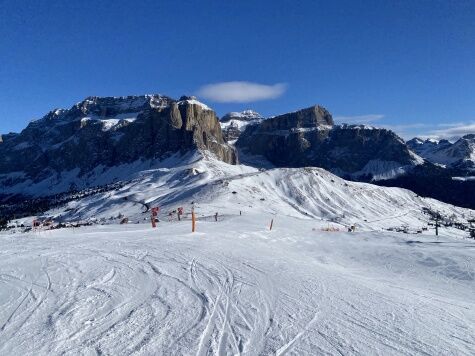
(111, 131)
(285, 139)
(309, 137)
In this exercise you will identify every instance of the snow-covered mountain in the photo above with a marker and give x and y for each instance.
(100, 141)
(234, 123)
(246, 115)
(234, 286)
(99, 133)
(460, 154)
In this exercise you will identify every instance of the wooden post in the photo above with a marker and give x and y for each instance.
(193, 221)
(271, 223)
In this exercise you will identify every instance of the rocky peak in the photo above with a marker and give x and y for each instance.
(415, 141)
(246, 115)
(192, 100)
(310, 118)
(308, 137)
(110, 131)
(444, 152)
(234, 123)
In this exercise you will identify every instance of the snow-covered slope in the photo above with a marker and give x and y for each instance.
(215, 186)
(236, 288)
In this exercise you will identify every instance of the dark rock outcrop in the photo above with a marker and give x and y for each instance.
(309, 138)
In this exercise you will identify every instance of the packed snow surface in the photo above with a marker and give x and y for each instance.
(235, 287)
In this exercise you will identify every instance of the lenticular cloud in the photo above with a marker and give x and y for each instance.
(241, 92)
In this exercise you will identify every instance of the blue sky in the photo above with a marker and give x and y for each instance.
(408, 65)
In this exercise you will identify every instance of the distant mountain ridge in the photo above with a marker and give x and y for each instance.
(246, 115)
(460, 154)
(234, 123)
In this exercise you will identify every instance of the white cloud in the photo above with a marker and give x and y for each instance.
(448, 131)
(452, 131)
(358, 119)
(241, 92)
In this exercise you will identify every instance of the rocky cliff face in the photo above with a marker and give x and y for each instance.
(309, 138)
(110, 131)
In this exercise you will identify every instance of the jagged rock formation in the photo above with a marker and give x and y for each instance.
(234, 123)
(103, 140)
(104, 132)
(460, 154)
(309, 137)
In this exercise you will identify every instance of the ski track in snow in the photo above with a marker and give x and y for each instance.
(235, 288)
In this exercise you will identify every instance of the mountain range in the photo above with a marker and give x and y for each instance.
(460, 154)
(102, 140)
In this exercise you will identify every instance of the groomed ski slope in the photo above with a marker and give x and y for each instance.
(235, 288)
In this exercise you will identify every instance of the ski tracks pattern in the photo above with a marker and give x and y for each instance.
(171, 299)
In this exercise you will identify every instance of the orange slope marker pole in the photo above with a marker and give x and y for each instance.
(193, 221)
